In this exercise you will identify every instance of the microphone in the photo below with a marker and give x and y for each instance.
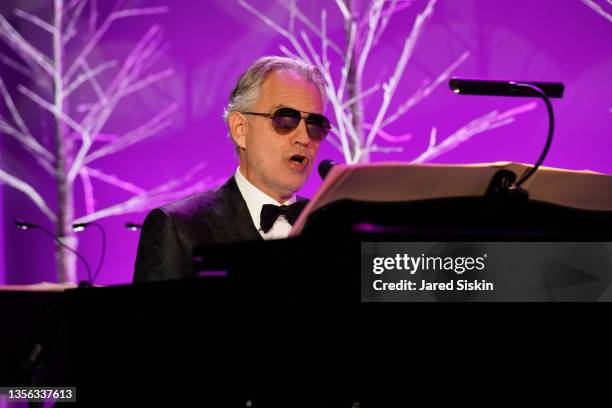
(324, 167)
(505, 88)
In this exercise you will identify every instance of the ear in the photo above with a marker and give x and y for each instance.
(238, 127)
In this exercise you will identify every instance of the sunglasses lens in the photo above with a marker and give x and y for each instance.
(285, 120)
(318, 126)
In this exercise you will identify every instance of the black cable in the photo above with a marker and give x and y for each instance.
(103, 249)
(551, 128)
(56, 239)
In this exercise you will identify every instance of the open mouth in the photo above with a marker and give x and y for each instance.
(297, 158)
(298, 162)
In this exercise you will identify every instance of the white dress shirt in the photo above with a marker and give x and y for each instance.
(255, 200)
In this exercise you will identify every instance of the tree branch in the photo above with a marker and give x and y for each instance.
(95, 85)
(87, 75)
(29, 191)
(293, 8)
(386, 16)
(278, 29)
(93, 16)
(334, 143)
(70, 31)
(30, 145)
(151, 79)
(288, 53)
(373, 22)
(23, 135)
(598, 9)
(425, 91)
(35, 20)
(71, 5)
(88, 192)
(23, 47)
(350, 51)
(114, 181)
(22, 69)
(150, 199)
(324, 39)
(389, 87)
(486, 122)
(292, 12)
(344, 10)
(51, 108)
(388, 137)
(362, 95)
(99, 113)
(153, 126)
(385, 149)
(102, 30)
(344, 124)
(339, 113)
(140, 203)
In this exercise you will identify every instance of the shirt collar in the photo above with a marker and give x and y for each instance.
(255, 198)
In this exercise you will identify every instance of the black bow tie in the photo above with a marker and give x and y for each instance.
(270, 213)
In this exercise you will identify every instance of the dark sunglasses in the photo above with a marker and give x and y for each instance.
(285, 120)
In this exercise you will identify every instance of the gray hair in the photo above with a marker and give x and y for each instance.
(245, 93)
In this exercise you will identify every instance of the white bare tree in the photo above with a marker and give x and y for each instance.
(353, 135)
(71, 73)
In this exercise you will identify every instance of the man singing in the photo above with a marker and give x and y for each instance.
(275, 119)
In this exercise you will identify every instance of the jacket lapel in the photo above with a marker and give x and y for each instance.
(230, 220)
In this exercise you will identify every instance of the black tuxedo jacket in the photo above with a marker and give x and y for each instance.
(171, 233)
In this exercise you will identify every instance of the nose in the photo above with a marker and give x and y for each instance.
(300, 135)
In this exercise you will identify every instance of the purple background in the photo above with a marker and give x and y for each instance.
(212, 42)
